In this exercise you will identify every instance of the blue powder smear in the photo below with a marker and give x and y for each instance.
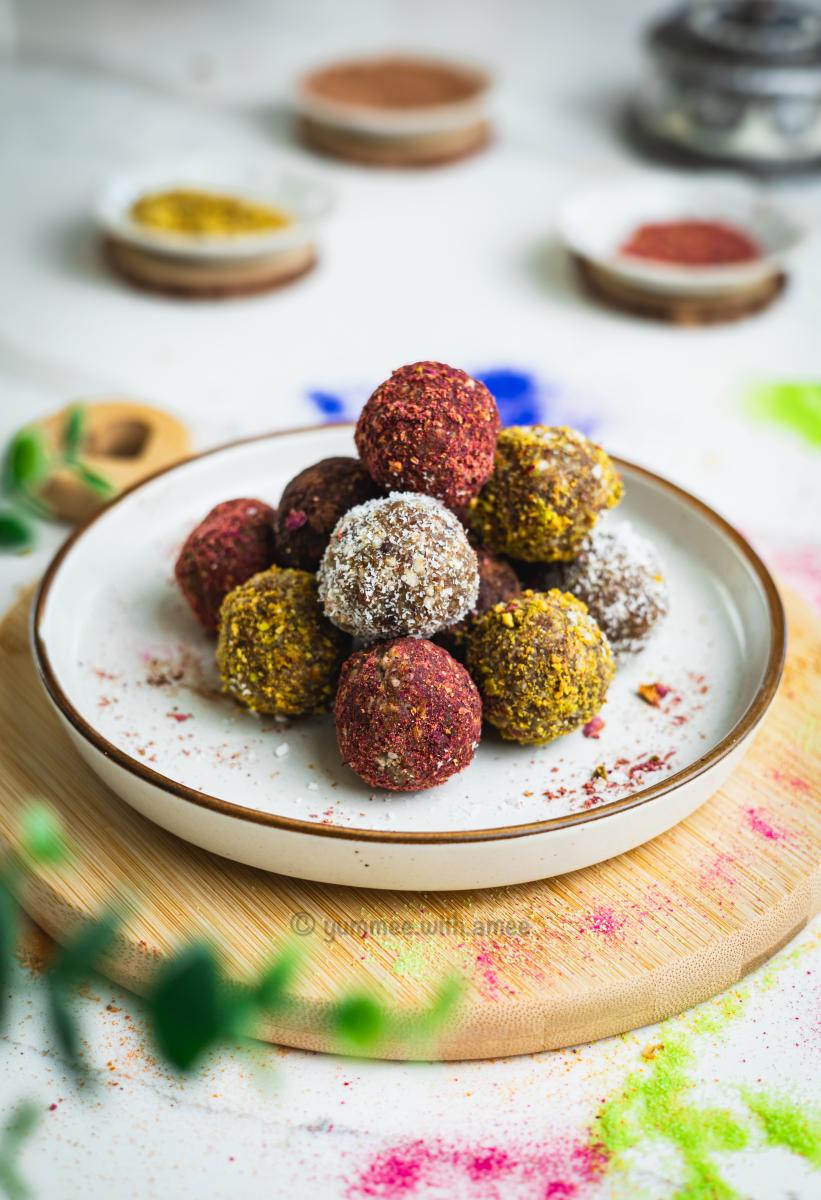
(522, 396)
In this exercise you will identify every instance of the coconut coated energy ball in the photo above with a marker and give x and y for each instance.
(311, 505)
(618, 576)
(430, 428)
(548, 486)
(234, 542)
(408, 716)
(497, 582)
(542, 666)
(276, 653)
(400, 565)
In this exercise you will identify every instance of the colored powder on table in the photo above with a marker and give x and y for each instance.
(653, 1105)
(794, 406)
(759, 824)
(786, 1125)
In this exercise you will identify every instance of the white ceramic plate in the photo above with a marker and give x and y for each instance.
(306, 200)
(596, 222)
(133, 680)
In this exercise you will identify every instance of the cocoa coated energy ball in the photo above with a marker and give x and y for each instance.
(408, 716)
(234, 542)
(311, 505)
(548, 486)
(400, 565)
(542, 666)
(498, 581)
(618, 576)
(276, 652)
(430, 428)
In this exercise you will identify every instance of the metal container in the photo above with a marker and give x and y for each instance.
(735, 83)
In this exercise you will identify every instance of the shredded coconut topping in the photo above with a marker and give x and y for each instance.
(619, 577)
(400, 565)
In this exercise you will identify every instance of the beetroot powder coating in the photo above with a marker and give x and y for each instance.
(311, 505)
(234, 542)
(430, 428)
(408, 716)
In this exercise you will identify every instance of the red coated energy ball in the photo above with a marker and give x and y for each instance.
(430, 428)
(234, 542)
(311, 505)
(408, 716)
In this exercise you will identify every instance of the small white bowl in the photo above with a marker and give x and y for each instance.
(596, 222)
(383, 121)
(307, 201)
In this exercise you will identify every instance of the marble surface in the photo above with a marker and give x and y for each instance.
(456, 264)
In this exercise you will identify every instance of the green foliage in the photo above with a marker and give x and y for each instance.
(41, 836)
(74, 432)
(17, 1130)
(8, 940)
(27, 460)
(359, 1021)
(16, 532)
(77, 960)
(92, 479)
(271, 991)
(189, 1007)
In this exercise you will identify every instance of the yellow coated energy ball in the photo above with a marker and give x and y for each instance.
(548, 486)
(541, 664)
(276, 652)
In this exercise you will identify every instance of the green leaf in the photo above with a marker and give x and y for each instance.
(74, 431)
(360, 1021)
(63, 1024)
(97, 483)
(15, 531)
(9, 921)
(79, 957)
(270, 991)
(27, 459)
(444, 1004)
(18, 1129)
(41, 836)
(189, 1006)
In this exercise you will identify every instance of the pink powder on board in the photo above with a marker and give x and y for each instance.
(760, 825)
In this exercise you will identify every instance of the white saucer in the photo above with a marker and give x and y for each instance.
(133, 679)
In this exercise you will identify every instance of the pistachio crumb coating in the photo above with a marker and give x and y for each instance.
(276, 652)
(542, 666)
(548, 486)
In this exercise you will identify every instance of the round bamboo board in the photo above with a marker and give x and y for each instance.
(197, 279)
(546, 964)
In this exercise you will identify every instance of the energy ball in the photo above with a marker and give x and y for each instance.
(234, 542)
(548, 486)
(311, 505)
(276, 653)
(408, 716)
(430, 428)
(542, 666)
(619, 578)
(497, 582)
(400, 565)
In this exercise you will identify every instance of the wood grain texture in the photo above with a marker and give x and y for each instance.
(421, 150)
(709, 309)
(588, 954)
(207, 279)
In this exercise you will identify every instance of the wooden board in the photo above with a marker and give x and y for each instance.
(592, 953)
(709, 309)
(423, 150)
(207, 279)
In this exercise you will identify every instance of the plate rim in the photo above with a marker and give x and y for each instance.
(743, 727)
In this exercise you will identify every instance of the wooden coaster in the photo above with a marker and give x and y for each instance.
(428, 150)
(124, 442)
(547, 964)
(207, 279)
(677, 310)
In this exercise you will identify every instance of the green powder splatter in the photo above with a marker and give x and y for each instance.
(795, 405)
(786, 1125)
(654, 1104)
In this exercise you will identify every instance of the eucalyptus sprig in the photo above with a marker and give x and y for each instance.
(28, 463)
